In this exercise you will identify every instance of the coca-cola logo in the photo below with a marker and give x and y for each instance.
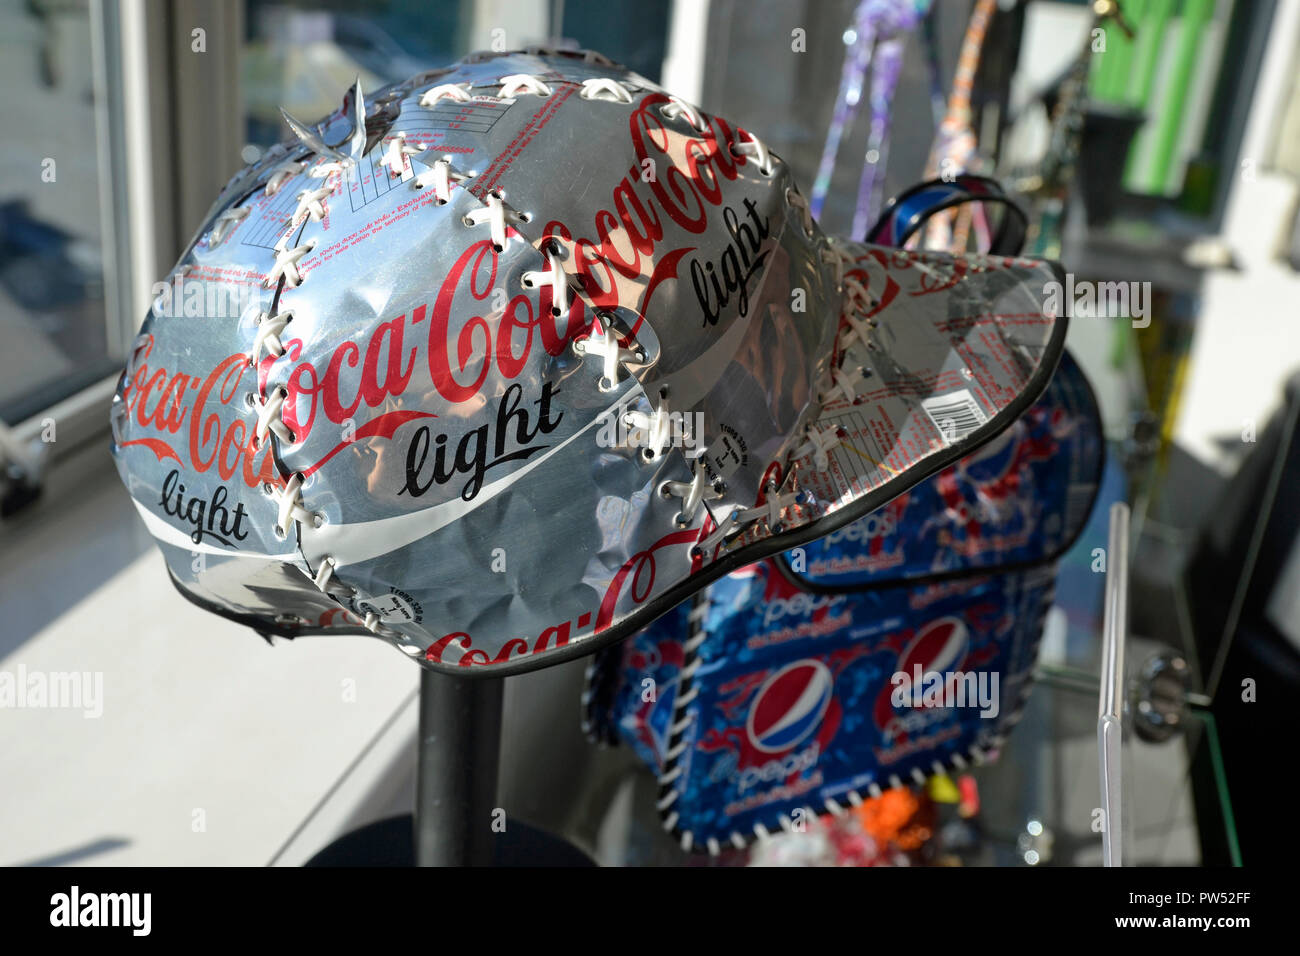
(181, 408)
(457, 344)
(187, 418)
(460, 339)
(676, 178)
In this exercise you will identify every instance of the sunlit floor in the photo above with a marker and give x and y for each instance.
(211, 746)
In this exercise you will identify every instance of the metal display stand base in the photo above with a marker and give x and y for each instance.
(456, 820)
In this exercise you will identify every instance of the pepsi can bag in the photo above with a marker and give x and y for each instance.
(898, 647)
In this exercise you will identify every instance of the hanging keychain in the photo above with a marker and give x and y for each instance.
(954, 149)
(955, 146)
(876, 40)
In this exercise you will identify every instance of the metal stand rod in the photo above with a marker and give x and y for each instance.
(1110, 710)
(456, 770)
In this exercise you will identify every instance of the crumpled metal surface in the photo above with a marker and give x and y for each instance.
(470, 489)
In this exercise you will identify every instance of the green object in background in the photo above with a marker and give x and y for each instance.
(1101, 78)
(1119, 344)
(1199, 181)
(1196, 15)
(1151, 23)
(1110, 80)
(1152, 20)
(1119, 56)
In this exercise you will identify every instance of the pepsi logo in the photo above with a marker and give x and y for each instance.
(994, 461)
(800, 604)
(789, 706)
(875, 525)
(940, 646)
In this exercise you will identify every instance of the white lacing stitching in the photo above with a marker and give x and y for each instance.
(693, 493)
(555, 278)
(606, 346)
(268, 415)
(289, 499)
(270, 408)
(522, 83)
(293, 511)
(373, 623)
(656, 425)
(452, 91)
(754, 147)
(771, 511)
(697, 614)
(226, 222)
(525, 84)
(844, 383)
(854, 323)
(286, 262)
(603, 88)
(309, 204)
(282, 174)
(797, 200)
(310, 200)
(840, 259)
(327, 582)
(396, 151)
(677, 107)
(852, 327)
(440, 175)
(496, 213)
(327, 169)
(819, 443)
(269, 328)
(716, 538)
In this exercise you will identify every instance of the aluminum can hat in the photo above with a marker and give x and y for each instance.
(504, 361)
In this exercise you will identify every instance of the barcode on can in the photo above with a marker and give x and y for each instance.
(955, 415)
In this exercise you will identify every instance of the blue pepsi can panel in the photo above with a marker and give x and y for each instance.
(806, 706)
(899, 647)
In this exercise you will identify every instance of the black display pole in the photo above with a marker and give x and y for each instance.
(456, 769)
(457, 821)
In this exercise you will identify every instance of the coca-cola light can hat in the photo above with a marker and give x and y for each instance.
(504, 361)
